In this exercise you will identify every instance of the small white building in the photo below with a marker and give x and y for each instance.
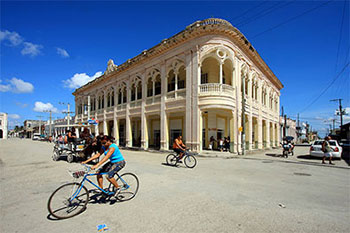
(3, 125)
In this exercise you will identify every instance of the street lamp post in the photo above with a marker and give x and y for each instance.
(50, 134)
(67, 112)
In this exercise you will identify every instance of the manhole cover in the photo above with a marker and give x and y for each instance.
(267, 161)
(301, 174)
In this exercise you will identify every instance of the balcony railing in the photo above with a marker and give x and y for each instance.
(135, 104)
(110, 109)
(179, 94)
(215, 88)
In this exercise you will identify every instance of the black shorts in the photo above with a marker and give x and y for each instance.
(112, 168)
(178, 150)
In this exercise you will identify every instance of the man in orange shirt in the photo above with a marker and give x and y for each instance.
(179, 147)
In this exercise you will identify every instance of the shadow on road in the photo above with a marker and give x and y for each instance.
(169, 165)
(274, 155)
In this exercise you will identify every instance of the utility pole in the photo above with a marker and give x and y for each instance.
(39, 123)
(298, 128)
(67, 112)
(282, 114)
(340, 111)
(50, 133)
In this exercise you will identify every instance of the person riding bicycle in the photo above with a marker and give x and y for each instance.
(179, 147)
(115, 164)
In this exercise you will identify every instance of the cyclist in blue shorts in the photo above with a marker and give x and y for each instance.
(116, 161)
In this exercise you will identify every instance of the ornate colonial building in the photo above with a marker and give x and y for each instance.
(205, 81)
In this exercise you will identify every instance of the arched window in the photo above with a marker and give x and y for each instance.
(108, 100)
(157, 86)
(133, 91)
(149, 87)
(112, 98)
(181, 78)
(171, 81)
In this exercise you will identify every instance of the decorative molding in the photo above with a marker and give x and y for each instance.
(111, 67)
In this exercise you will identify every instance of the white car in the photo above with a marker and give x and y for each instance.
(36, 136)
(316, 149)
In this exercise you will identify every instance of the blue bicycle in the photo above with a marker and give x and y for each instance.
(71, 199)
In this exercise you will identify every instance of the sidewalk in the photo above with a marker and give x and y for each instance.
(301, 156)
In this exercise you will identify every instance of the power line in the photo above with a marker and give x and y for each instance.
(264, 13)
(340, 37)
(344, 68)
(249, 10)
(293, 18)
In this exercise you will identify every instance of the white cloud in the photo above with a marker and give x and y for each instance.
(17, 86)
(14, 116)
(62, 52)
(31, 49)
(22, 105)
(12, 38)
(4, 88)
(79, 80)
(41, 107)
(20, 86)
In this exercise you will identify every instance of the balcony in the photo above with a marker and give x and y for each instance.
(178, 94)
(215, 89)
(135, 104)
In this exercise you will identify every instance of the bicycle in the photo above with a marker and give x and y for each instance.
(71, 199)
(189, 160)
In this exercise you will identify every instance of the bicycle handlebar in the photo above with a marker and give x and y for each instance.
(87, 167)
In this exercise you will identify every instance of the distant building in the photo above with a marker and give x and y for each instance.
(3, 125)
(290, 128)
(31, 127)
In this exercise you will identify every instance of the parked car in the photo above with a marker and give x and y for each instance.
(316, 148)
(36, 136)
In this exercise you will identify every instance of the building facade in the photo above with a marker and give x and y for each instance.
(32, 126)
(290, 127)
(3, 125)
(206, 81)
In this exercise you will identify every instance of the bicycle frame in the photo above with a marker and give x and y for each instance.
(91, 182)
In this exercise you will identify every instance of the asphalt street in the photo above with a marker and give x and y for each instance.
(259, 192)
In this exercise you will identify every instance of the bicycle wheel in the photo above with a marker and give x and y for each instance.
(56, 155)
(190, 161)
(60, 204)
(70, 157)
(171, 159)
(129, 185)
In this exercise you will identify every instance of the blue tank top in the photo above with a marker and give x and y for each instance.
(116, 156)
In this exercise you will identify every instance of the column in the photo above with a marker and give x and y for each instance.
(128, 136)
(154, 89)
(196, 73)
(268, 134)
(188, 131)
(233, 133)
(163, 115)
(176, 77)
(273, 135)
(200, 131)
(260, 133)
(238, 119)
(250, 132)
(89, 106)
(144, 128)
(220, 75)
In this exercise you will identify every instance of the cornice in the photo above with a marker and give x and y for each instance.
(197, 29)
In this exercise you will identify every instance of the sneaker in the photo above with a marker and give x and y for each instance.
(332, 163)
(323, 163)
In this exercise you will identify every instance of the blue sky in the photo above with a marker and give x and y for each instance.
(47, 48)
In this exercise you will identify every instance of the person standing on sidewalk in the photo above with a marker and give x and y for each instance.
(327, 150)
